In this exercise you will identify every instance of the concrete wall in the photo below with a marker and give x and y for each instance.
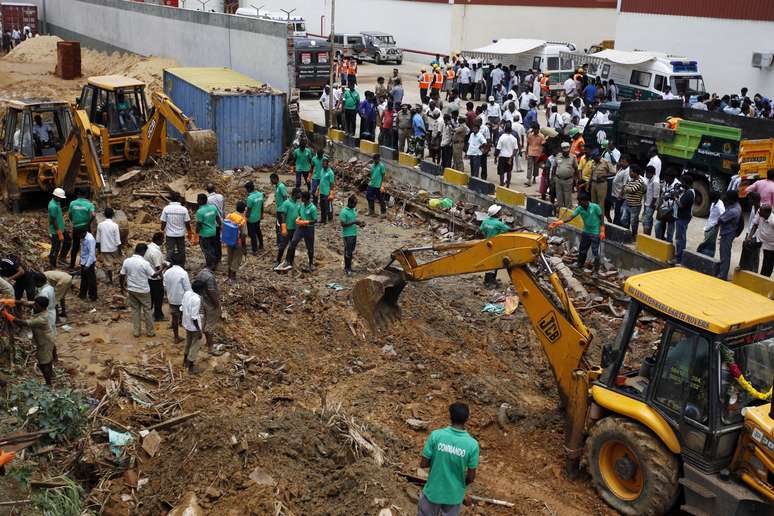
(722, 47)
(257, 48)
(448, 27)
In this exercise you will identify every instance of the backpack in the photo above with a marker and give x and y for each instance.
(229, 234)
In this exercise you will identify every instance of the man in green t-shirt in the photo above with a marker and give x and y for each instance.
(301, 159)
(492, 226)
(317, 166)
(280, 190)
(351, 100)
(452, 456)
(305, 221)
(349, 224)
(80, 213)
(208, 222)
(325, 190)
(60, 240)
(254, 214)
(375, 189)
(287, 212)
(593, 228)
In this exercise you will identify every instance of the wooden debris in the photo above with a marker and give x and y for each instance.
(501, 503)
(172, 422)
(151, 443)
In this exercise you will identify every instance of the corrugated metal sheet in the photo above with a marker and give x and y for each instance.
(761, 10)
(249, 126)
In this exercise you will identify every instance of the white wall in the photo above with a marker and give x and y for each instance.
(723, 48)
(477, 25)
(256, 48)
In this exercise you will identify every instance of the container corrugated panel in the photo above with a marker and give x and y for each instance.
(738, 10)
(248, 120)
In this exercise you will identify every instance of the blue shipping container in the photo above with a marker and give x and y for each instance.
(247, 116)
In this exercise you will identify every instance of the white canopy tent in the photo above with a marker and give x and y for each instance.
(504, 51)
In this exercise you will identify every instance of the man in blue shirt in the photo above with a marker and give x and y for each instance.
(417, 143)
(88, 267)
(590, 93)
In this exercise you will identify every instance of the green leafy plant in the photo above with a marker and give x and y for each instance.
(61, 411)
(20, 474)
(60, 501)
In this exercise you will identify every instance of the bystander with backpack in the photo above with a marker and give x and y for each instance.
(666, 211)
(731, 224)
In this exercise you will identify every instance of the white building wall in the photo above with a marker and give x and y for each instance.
(722, 47)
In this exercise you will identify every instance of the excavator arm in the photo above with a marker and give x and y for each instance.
(80, 148)
(201, 144)
(562, 334)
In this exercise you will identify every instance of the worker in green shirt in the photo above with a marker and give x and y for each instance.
(60, 240)
(80, 213)
(305, 221)
(492, 226)
(254, 214)
(349, 224)
(317, 166)
(280, 190)
(301, 159)
(287, 212)
(325, 191)
(208, 222)
(376, 187)
(452, 456)
(351, 100)
(593, 228)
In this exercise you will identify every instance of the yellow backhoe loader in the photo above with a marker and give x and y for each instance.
(691, 423)
(130, 130)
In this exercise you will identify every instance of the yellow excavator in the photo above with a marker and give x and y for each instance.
(129, 129)
(690, 422)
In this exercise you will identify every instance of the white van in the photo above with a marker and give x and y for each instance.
(536, 54)
(644, 75)
(296, 24)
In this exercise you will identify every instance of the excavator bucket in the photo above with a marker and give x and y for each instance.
(376, 298)
(202, 145)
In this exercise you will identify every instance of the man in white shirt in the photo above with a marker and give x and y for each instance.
(61, 281)
(155, 258)
(175, 223)
(45, 289)
(88, 261)
(569, 90)
(109, 243)
(655, 161)
(652, 189)
(135, 273)
(497, 75)
(668, 95)
(507, 147)
(555, 120)
(620, 180)
(476, 140)
(176, 283)
(524, 101)
(215, 199)
(764, 232)
(717, 208)
(41, 133)
(193, 323)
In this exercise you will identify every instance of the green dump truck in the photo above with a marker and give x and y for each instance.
(703, 144)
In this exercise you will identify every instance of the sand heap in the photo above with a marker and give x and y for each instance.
(42, 50)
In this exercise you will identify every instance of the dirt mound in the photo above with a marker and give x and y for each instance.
(42, 50)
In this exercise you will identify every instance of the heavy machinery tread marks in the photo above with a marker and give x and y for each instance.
(660, 467)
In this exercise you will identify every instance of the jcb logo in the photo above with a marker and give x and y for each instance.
(550, 327)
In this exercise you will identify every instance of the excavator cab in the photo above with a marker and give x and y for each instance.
(130, 128)
(33, 130)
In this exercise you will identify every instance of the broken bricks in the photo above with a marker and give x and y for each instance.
(151, 443)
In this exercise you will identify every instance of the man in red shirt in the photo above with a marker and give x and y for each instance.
(386, 136)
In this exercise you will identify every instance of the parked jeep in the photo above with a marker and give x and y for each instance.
(381, 47)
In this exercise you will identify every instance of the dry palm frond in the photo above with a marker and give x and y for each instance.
(355, 434)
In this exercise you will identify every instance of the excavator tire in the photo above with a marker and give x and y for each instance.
(202, 145)
(632, 469)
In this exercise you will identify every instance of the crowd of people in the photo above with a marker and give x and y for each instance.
(13, 37)
(151, 273)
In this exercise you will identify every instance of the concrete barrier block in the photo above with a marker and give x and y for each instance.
(369, 147)
(755, 282)
(351, 141)
(700, 263)
(566, 213)
(658, 249)
(336, 135)
(308, 125)
(510, 197)
(428, 167)
(617, 233)
(407, 159)
(320, 129)
(455, 177)
(540, 207)
(481, 186)
(388, 153)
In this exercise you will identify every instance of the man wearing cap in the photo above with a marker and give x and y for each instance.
(424, 81)
(459, 138)
(60, 240)
(492, 226)
(565, 170)
(577, 144)
(404, 127)
(601, 169)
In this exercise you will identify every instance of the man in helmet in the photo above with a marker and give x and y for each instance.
(493, 226)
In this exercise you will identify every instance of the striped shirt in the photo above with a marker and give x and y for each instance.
(633, 192)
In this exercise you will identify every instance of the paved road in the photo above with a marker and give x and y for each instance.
(367, 75)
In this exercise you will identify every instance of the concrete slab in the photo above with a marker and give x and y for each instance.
(336, 135)
(481, 186)
(369, 147)
(755, 282)
(510, 197)
(407, 159)
(320, 129)
(455, 177)
(430, 168)
(617, 233)
(351, 141)
(308, 126)
(566, 213)
(538, 207)
(701, 263)
(658, 249)
(388, 153)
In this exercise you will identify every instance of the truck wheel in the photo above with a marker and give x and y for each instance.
(631, 468)
(377, 58)
(701, 204)
(399, 61)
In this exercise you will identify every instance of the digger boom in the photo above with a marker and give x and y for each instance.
(80, 147)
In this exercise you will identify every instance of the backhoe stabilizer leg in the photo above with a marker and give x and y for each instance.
(575, 422)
